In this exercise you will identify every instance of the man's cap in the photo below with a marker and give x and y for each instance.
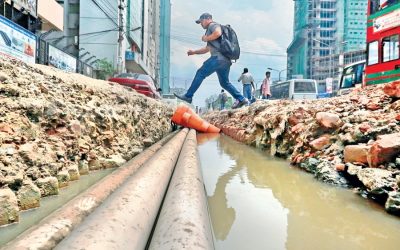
(204, 16)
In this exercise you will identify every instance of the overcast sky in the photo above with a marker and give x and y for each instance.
(264, 29)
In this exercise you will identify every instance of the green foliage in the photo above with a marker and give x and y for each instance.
(105, 69)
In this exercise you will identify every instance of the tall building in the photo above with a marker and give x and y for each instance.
(35, 16)
(165, 46)
(92, 32)
(324, 29)
(22, 25)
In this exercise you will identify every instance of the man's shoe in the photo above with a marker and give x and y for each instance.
(183, 98)
(240, 104)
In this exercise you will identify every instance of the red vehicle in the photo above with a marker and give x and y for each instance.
(383, 37)
(143, 84)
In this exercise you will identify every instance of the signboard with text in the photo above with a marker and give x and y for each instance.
(16, 41)
(387, 21)
(61, 60)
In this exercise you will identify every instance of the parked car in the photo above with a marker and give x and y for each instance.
(142, 83)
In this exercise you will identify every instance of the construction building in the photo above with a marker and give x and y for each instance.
(327, 33)
(124, 32)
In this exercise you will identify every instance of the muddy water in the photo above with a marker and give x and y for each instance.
(49, 204)
(259, 202)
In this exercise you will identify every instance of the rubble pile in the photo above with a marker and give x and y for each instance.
(351, 140)
(56, 126)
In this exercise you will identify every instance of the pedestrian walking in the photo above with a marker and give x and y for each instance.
(223, 97)
(265, 86)
(216, 63)
(248, 84)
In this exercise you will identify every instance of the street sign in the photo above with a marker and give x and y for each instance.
(129, 56)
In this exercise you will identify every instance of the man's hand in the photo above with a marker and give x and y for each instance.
(204, 38)
(190, 52)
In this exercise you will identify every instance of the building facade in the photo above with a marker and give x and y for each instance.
(124, 32)
(165, 46)
(324, 29)
(35, 16)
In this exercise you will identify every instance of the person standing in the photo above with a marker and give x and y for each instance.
(216, 63)
(248, 83)
(265, 86)
(222, 99)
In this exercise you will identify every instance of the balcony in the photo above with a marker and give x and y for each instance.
(52, 14)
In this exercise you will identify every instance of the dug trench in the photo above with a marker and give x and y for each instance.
(351, 141)
(56, 126)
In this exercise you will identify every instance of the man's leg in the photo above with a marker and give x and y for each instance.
(208, 67)
(223, 77)
(247, 91)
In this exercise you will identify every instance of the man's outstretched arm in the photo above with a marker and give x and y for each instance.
(198, 52)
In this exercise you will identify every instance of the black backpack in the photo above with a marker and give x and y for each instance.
(229, 44)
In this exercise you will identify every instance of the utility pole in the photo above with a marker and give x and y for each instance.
(120, 62)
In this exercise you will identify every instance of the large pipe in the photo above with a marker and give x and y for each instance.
(184, 221)
(58, 225)
(125, 220)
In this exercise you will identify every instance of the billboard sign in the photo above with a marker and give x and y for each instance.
(28, 5)
(61, 60)
(387, 21)
(16, 41)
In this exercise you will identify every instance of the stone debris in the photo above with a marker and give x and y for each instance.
(56, 126)
(351, 140)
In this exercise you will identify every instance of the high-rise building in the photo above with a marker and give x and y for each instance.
(165, 46)
(324, 29)
(93, 31)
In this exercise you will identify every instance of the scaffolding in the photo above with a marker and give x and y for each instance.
(328, 29)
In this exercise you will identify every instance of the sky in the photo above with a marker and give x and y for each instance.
(264, 29)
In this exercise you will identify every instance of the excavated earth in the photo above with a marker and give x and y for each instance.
(56, 126)
(351, 140)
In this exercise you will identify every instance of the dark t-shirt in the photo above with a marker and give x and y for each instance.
(215, 44)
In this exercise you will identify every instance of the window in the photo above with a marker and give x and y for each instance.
(390, 48)
(304, 87)
(374, 6)
(373, 53)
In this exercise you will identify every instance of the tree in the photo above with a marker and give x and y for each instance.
(104, 69)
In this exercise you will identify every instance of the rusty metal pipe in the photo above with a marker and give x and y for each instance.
(184, 220)
(58, 225)
(125, 220)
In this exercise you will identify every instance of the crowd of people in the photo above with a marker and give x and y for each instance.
(249, 89)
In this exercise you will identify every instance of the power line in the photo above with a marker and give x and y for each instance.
(97, 4)
(115, 44)
(85, 34)
(109, 6)
(242, 51)
(90, 17)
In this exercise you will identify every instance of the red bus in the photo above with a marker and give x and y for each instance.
(383, 37)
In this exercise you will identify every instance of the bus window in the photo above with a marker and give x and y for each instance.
(374, 6)
(348, 81)
(304, 87)
(358, 73)
(373, 53)
(352, 75)
(390, 48)
(280, 90)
